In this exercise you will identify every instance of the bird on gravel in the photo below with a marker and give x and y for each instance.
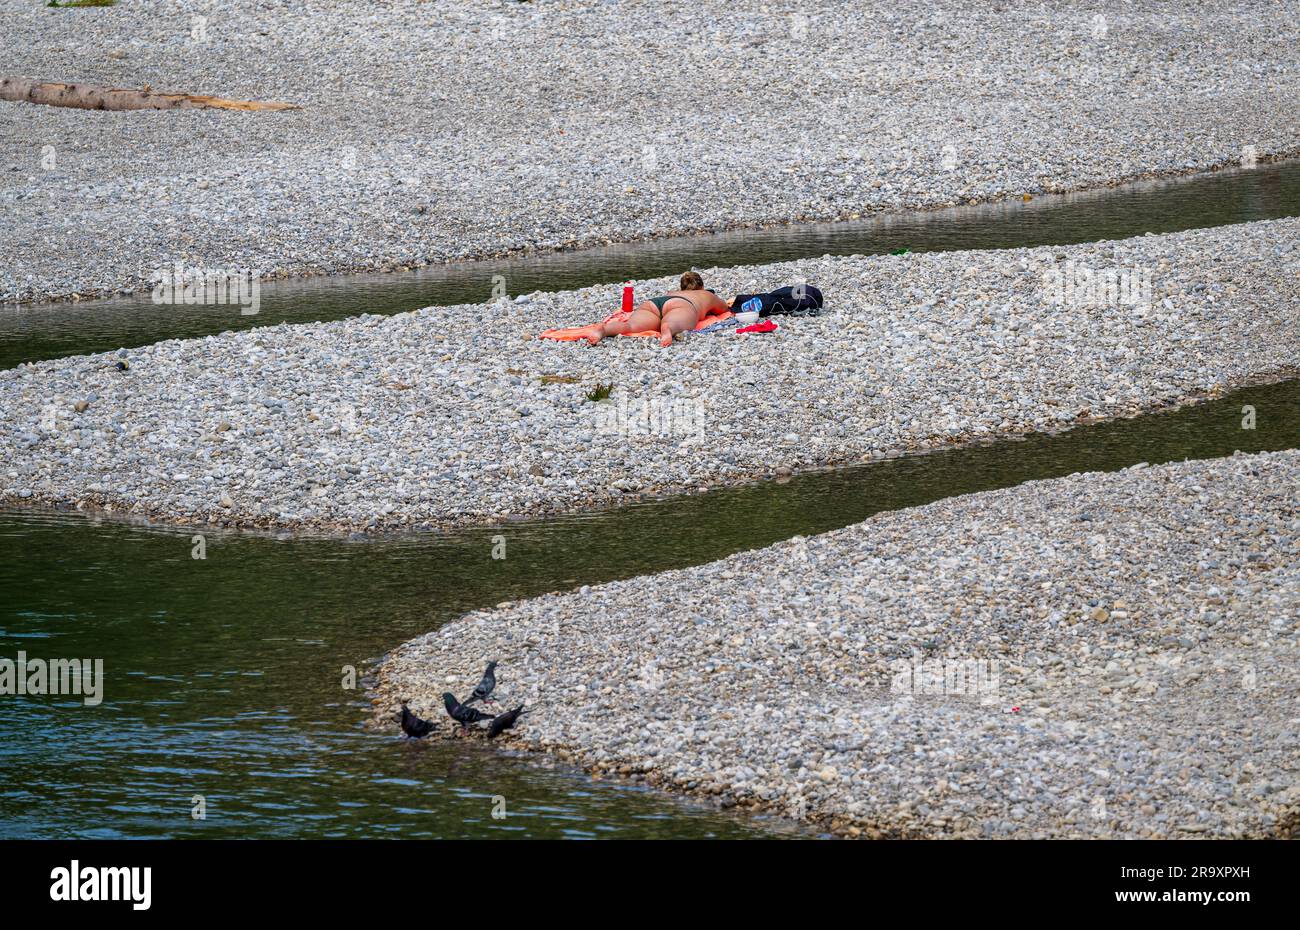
(485, 686)
(503, 722)
(462, 713)
(413, 726)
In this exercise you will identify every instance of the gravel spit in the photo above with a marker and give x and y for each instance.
(1103, 655)
(456, 415)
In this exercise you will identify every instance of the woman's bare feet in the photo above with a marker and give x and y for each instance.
(595, 333)
(666, 338)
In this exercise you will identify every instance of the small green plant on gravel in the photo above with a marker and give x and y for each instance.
(600, 392)
(82, 3)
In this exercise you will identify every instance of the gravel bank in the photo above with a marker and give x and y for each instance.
(455, 415)
(1128, 644)
(450, 130)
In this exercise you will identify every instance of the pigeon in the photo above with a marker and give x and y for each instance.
(462, 713)
(484, 688)
(503, 722)
(413, 726)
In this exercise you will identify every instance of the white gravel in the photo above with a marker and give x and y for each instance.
(1138, 631)
(442, 416)
(447, 130)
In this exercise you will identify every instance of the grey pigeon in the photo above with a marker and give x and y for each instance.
(462, 713)
(485, 685)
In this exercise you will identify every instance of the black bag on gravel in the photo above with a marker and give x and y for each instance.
(798, 300)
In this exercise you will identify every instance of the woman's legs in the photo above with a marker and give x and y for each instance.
(642, 319)
(676, 320)
(645, 317)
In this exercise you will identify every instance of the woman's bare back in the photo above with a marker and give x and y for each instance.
(705, 302)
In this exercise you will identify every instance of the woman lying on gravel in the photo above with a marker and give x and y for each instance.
(675, 312)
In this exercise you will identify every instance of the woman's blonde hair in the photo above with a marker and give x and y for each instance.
(691, 281)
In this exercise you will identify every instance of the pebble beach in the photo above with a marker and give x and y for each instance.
(1104, 655)
(434, 132)
(459, 415)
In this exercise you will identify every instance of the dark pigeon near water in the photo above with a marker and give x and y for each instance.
(485, 686)
(413, 726)
(503, 722)
(462, 713)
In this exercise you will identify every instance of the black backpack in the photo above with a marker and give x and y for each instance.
(798, 300)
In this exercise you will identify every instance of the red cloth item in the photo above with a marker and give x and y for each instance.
(762, 326)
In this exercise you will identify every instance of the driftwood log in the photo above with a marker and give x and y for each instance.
(94, 97)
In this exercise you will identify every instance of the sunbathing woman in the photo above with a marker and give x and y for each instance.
(675, 312)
